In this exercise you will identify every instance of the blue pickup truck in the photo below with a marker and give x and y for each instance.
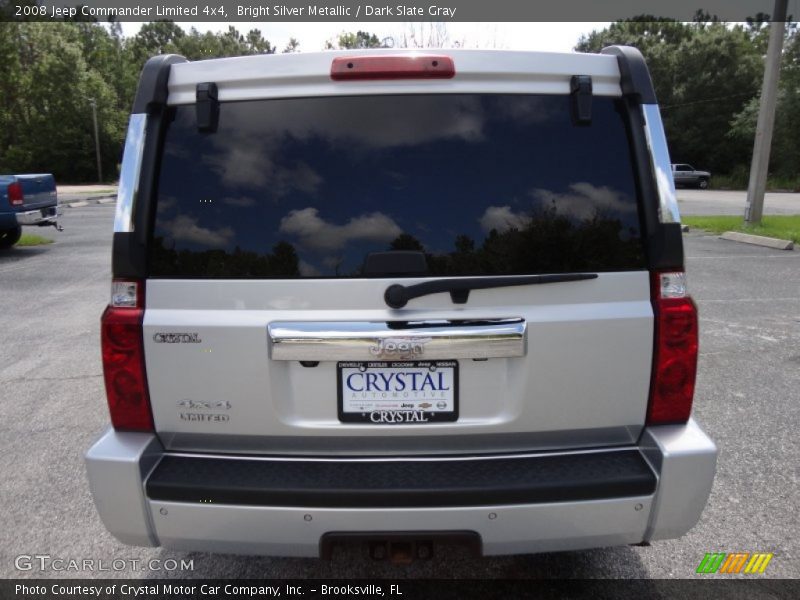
(26, 200)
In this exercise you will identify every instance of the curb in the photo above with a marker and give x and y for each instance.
(758, 240)
(108, 199)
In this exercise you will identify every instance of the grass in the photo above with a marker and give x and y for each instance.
(30, 239)
(785, 227)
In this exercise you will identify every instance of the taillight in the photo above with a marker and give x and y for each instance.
(123, 357)
(675, 357)
(417, 66)
(15, 195)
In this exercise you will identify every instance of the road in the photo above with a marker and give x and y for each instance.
(690, 202)
(714, 202)
(53, 408)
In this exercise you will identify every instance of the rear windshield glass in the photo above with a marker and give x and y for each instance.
(475, 184)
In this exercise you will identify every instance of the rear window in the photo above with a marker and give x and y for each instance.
(480, 184)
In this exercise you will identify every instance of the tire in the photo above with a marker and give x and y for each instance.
(9, 237)
(703, 184)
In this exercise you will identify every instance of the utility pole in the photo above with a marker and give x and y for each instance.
(96, 141)
(757, 185)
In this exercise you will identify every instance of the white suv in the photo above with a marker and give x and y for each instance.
(389, 296)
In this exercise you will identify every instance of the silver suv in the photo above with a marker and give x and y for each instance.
(687, 175)
(387, 296)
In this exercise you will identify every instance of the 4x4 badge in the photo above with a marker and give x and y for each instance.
(220, 405)
(399, 347)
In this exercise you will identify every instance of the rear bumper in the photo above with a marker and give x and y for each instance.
(515, 504)
(41, 216)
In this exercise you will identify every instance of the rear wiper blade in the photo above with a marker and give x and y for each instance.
(397, 296)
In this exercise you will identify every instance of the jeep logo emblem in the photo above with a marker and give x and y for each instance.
(399, 347)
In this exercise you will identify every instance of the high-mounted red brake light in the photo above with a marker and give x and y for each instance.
(676, 347)
(123, 358)
(417, 66)
(15, 195)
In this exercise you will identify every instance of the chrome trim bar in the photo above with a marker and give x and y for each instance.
(405, 458)
(129, 173)
(657, 140)
(366, 340)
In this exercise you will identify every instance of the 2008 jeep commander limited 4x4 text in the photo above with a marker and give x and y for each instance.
(390, 295)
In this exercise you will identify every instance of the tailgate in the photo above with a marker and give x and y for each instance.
(579, 375)
(276, 236)
(39, 191)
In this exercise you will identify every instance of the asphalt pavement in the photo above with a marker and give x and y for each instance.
(716, 202)
(690, 201)
(52, 407)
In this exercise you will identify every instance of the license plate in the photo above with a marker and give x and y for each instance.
(398, 393)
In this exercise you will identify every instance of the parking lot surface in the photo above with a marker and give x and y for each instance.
(52, 407)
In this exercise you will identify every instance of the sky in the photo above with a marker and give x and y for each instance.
(554, 37)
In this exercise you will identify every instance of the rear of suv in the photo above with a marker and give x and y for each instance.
(384, 295)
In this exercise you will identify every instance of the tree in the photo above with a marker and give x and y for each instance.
(722, 71)
(284, 261)
(11, 96)
(158, 37)
(425, 35)
(291, 46)
(47, 85)
(354, 41)
(785, 155)
(50, 72)
(657, 39)
(704, 73)
(103, 53)
(256, 44)
(406, 241)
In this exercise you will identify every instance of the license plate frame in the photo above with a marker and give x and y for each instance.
(418, 414)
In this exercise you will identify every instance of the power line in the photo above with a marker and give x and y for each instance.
(707, 100)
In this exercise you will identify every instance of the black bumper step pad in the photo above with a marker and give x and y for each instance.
(353, 483)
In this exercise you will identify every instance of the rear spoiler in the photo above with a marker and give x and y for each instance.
(663, 241)
(129, 246)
